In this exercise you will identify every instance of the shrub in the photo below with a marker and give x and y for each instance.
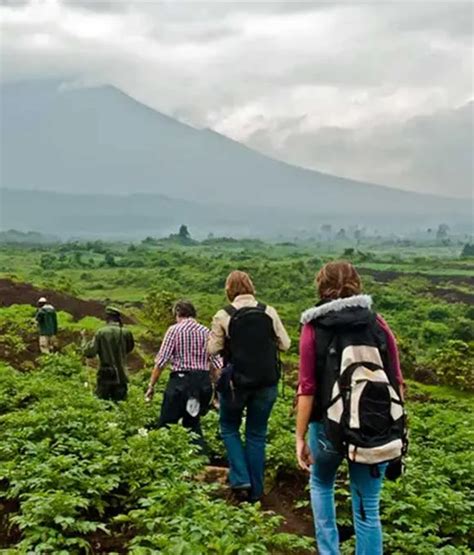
(407, 357)
(454, 364)
(434, 332)
(470, 313)
(438, 314)
(158, 308)
(464, 330)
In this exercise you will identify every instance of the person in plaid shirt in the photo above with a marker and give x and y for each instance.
(189, 391)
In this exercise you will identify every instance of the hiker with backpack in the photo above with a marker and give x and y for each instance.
(249, 334)
(350, 397)
(111, 343)
(189, 390)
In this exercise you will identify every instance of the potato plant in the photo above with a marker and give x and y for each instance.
(80, 472)
(80, 466)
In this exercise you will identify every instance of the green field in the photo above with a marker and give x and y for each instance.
(79, 476)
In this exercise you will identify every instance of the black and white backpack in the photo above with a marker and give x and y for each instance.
(358, 397)
(251, 347)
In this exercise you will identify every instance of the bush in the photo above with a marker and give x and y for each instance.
(470, 313)
(438, 314)
(454, 364)
(464, 330)
(407, 357)
(158, 308)
(434, 332)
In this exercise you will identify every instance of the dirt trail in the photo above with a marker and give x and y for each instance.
(287, 490)
(12, 292)
(281, 499)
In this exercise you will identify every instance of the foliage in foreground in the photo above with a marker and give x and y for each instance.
(80, 466)
(431, 509)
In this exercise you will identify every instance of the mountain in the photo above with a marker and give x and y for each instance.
(99, 141)
(119, 216)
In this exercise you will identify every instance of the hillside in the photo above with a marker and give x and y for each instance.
(101, 141)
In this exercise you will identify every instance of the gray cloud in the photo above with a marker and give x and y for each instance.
(426, 153)
(98, 5)
(286, 77)
(14, 3)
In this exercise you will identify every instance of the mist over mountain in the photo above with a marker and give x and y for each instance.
(141, 171)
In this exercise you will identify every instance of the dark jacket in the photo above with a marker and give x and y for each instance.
(111, 344)
(47, 320)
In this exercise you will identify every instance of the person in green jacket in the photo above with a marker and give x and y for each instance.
(111, 344)
(47, 322)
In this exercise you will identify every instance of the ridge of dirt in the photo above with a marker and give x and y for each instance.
(391, 275)
(452, 295)
(12, 292)
(445, 293)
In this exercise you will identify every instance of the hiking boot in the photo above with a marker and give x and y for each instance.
(241, 493)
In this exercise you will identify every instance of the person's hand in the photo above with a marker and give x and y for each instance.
(303, 454)
(149, 394)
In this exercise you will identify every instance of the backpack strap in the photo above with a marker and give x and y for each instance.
(261, 306)
(230, 309)
(226, 354)
(381, 342)
(326, 339)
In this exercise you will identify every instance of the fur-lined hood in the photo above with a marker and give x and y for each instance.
(357, 301)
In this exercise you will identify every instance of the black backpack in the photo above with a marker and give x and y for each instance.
(251, 347)
(359, 398)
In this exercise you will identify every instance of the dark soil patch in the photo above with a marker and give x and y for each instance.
(9, 534)
(419, 397)
(26, 358)
(135, 363)
(452, 295)
(149, 345)
(115, 542)
(12, 292)
(386, 276)
(288, 490)
(426, 376)
(445, 293)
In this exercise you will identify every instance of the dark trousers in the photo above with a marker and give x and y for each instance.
(111, 391)
(181, 387)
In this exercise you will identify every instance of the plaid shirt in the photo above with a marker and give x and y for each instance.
(185, 345)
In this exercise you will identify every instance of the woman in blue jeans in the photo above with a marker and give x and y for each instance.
(339, 288)
(249, 334)
(247, 460)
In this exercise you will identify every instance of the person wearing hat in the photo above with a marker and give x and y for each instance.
(111, 343)
(47, 322)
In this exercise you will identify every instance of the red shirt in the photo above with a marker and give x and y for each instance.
(307, 371)
(185, 345)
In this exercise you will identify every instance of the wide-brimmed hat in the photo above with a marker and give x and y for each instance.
(112, 311)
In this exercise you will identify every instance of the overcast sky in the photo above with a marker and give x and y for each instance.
(379, 91)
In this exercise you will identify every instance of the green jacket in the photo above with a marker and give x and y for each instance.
(111, 344)
(47, 320)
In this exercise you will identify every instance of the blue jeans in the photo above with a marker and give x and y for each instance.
(247, 462)
(365, 493)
